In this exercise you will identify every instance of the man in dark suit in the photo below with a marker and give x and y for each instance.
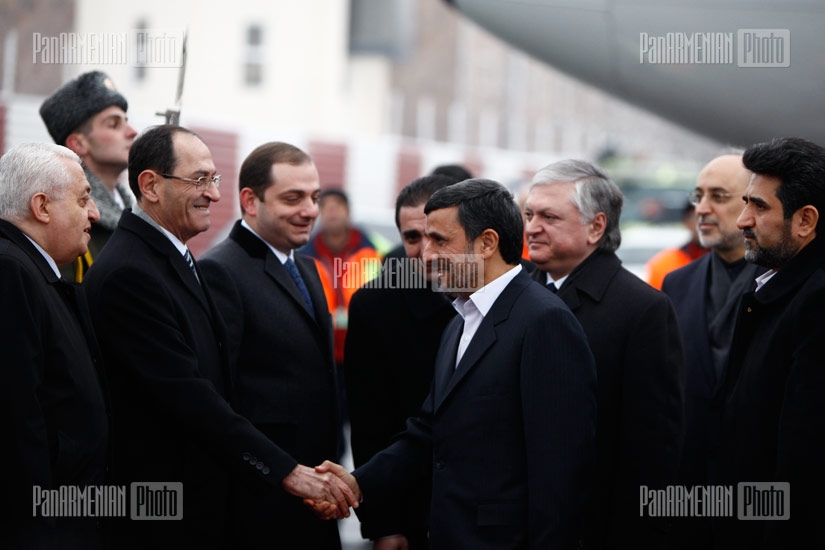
(507, 432)
(167, 349)
(55, 425)
(279, 341)
(395, 326)
(573, 212)
(705, 294)
(773, 409)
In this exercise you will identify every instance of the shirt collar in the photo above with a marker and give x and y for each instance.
(764, 278)
(140, 213)
(45, 254)
(484, 298)
(557, 282)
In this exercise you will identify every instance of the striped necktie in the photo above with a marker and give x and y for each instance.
(191, 262)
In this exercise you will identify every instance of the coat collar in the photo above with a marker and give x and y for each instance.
(110, 211)
(13, 233)
(591, 277)
(794, 273)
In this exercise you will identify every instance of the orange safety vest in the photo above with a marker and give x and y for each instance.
(351, 274)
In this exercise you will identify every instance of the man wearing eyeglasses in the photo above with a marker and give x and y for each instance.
(166, 347)
(704, 294)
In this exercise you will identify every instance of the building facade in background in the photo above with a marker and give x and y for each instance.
(377, 91)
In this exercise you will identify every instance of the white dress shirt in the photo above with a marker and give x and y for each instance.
(477, 306)
(764, 278)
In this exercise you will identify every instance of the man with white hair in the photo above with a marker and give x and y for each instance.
(53, 405)
(572, 227)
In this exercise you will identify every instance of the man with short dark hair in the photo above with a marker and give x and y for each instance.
(573, 212)
(167, 348)
(395, 326)
(53, 404)
(279, 338)
(506, 435)
(772, 399)
(88, 115)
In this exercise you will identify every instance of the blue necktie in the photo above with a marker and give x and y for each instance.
(299, 282)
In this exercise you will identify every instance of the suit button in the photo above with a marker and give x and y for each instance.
(265, 471)
(246, 457)
(439, 465)
(253, 461)
(259, 466)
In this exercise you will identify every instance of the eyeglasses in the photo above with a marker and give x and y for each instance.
(201, 184)
(716, 197)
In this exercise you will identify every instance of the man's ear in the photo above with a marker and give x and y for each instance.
(804, 221)
(249, 201)
(78, 143)
(148, 182)
(597, 228)
(489, 242)
(40, 206)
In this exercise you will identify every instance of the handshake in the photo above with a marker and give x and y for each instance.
(329, 489)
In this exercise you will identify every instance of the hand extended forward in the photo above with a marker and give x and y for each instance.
(325, 508)
(325, 491)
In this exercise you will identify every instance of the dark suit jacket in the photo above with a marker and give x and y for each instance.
(53, 409)
(507, 436)
(395, 326)
(632, 331)
(687, 288)
(774, 405)
(284, 376)
(165, 345)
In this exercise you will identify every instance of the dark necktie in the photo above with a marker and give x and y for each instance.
(191, 262)
(552, 288)
(299, 282)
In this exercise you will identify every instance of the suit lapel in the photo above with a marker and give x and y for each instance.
(157, 240)
(484, 338)
(276, 270)
(695, 295)
(188, 279)
(445, 359)
(309, 273)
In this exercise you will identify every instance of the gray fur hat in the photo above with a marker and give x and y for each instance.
(77, 101)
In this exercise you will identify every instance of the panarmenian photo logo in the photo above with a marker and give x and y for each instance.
(147, 500)
(768, 500)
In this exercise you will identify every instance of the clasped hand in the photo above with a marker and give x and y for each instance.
(329, 489)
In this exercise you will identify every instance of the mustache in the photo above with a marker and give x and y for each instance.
(747, 232)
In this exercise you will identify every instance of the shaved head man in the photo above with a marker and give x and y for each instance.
(704, 294)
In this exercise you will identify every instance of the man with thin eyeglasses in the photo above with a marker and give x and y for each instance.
(705, 294)
(166, 348)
